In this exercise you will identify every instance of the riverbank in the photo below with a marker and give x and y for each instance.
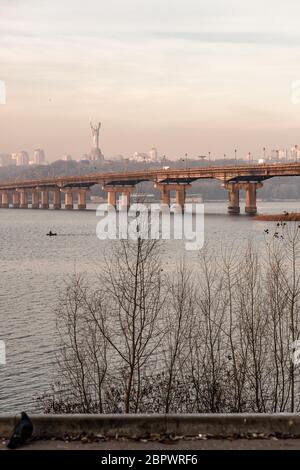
(285, 217)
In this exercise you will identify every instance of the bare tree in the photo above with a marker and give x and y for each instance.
(83, 349)
(206, 341)
(254, 322)
(235, 353)
(132, 290)
(285, 261)
(276, 305)
(215, 340)
(178, 321)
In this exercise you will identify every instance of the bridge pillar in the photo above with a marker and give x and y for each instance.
(111, 198)
(56, 199)
(34, 199)
(233, 198)
(125, 197)
(68, 199)
(24, 199)
(251, 188)
(16, 200)
(166, 188)
(44, 199)
(81, 199)
(180, 196)
(164, 194)
(4, 200)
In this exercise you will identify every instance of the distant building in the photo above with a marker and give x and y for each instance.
(140, 157)
(282, 154)
(39, 157)
(6, 160)
(295, 153)
(22, 158)
(278, 154)
(117, 158)
(153, 156)
(67, 158)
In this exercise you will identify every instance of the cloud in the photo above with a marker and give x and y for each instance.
(156, 64)
(249, 37)
(2, 92)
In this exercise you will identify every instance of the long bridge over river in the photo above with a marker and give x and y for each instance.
(14, 194)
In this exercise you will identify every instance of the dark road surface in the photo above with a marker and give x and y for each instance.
(183, 444)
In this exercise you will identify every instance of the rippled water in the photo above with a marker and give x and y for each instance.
(34, 268)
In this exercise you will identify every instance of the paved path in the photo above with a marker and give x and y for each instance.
(124, 444)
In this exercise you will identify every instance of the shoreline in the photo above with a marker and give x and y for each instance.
(286, 217)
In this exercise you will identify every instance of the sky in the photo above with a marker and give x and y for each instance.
(188, 76)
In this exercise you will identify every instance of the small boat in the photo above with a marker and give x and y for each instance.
(51, 234)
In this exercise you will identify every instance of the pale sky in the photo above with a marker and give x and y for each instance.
(185, 76)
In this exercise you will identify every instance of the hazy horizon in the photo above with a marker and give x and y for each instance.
(193, 76)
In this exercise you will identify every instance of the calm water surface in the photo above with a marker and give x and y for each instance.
(34, 268)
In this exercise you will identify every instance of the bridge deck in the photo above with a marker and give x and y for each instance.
(182, 175)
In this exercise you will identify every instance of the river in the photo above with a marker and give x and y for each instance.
(34, 268)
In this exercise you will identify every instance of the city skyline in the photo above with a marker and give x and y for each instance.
(194, 78)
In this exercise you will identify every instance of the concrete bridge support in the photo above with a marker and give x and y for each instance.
(233, 198)
(34, 199)
(112, 198)
(251, 188)
(56, 199)
(125, 197)
(68, 199)
(166, 188)
(16, 200)
(164, 194)
(112, 192)
(180, 197)
(23, 199)
(81, 199)
(44, 199)
(4, 200)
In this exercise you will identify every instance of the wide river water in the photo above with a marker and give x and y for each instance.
(34, 268)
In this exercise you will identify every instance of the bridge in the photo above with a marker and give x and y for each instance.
(14, 194)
